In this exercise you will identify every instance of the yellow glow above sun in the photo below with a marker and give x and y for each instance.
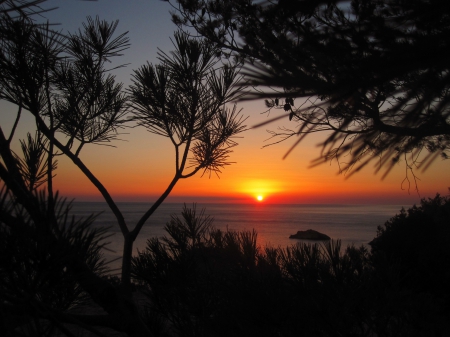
(260, 187)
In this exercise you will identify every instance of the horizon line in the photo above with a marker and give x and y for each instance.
(409, 200)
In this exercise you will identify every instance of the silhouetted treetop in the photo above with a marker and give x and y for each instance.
(184, 98)
(374, 73)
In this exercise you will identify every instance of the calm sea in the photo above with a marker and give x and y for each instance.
(352, 224)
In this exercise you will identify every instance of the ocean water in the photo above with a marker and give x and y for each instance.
(352, 224)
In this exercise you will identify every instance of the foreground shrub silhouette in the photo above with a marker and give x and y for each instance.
(40, 275)
(203, 281)
(417, 240)
(411, 258)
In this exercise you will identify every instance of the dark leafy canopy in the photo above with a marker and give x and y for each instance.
(374, 73)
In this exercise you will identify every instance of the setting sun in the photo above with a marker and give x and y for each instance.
(259, 197)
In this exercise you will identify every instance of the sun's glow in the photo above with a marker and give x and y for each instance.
(260, 198)
(260, 187)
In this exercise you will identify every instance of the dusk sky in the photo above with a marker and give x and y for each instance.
(141, 165)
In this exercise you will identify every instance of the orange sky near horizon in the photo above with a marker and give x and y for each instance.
(141, 165)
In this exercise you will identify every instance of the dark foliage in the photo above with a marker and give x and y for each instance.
(372, 73)
(200, 281)
(50, 261)
(205, 282)
(410, 255)
(184, 99)
(416, 240)
(39, 277)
